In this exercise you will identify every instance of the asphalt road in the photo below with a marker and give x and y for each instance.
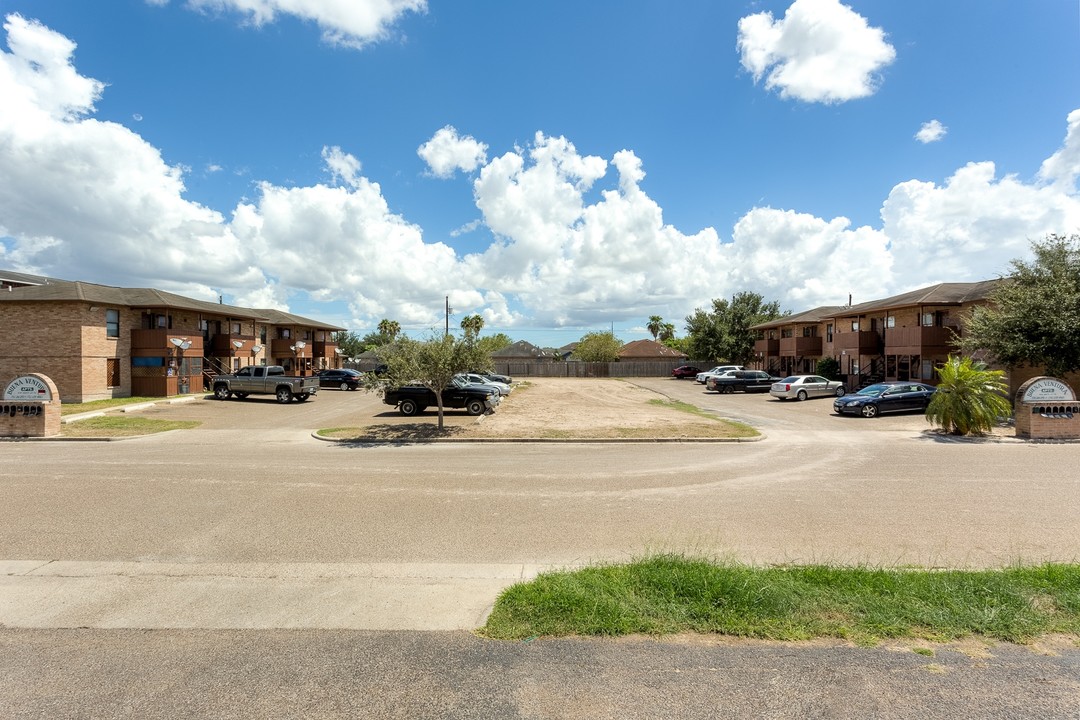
(245, 569)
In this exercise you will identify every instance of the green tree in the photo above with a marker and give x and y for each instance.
(348, 342)
(431, 363)
(493, 343)
(389, 328)
(472, 325)
(969, 398)
(667, 332)
(724, 334)
(598, 347)
(655, 325)
(1033, 318)
(829, 368)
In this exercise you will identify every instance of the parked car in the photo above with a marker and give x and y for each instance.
(685, 371)
(885, 397)
(744, 380)
(413, 399)
(265, 380)
(494, 376)
(344, 379)
(477, 379)
(703, 377)
(801, 387)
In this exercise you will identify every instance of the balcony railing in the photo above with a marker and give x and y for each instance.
(767, 348)
(151, 343)
(920, 340)
(862, 342)
(800, 346)
(223, 344)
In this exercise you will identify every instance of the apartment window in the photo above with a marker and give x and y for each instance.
(112, 372)
(928, 319)
(235, 328)
(262, 335)
(786, 333)
(112, 323)
(809, 331)
(307, 335)
(854, 326)
(890, 321)
(284, 333)
(927, 370)
(828, 332)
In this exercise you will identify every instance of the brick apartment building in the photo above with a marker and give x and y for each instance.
(903, 337)
(98, 342)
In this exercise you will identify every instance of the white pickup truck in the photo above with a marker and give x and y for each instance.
(265, 380)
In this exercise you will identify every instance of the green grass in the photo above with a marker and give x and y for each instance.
(107, 404)
(674, 594)
(740, 429)
(110, 426)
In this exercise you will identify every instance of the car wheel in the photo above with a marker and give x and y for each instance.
(801, 395)
(840, 391)
(283, 394)
(344, 386)
(869, 411)
(240, 395)
(408, 407)
(475, 407)
(221, 392)
(728, 389)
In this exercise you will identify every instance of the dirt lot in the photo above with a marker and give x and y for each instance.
(566, 408)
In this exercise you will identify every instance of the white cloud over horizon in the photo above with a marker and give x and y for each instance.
(577, 240)
(354, 24)
(820, 51)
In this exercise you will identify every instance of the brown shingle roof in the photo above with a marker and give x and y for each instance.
(648, 349)
(64, 290)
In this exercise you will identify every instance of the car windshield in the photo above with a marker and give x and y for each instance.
(873, 390)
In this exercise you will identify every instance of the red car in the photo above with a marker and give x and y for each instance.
(685, 371)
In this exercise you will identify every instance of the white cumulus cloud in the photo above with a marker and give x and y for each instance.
(821, 51)
(931, 131)
(348, 23)
(447, 152)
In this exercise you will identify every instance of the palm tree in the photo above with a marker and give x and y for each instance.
(389, 328)
(969, 399)
(655, 325)
(472, 325)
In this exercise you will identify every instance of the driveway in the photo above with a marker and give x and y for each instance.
(249, 546)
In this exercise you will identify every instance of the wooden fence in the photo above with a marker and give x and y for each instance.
(574, 368)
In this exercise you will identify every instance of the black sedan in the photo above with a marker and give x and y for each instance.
(885, 397)
(345, 379)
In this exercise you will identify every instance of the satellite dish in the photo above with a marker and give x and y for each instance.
(184, 345)
(293, 348)
(256, 349)
(238, 344)
(301, 344)
(176, 341)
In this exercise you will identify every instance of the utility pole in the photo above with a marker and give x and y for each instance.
(447, 331)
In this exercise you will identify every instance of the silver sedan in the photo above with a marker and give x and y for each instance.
(801, 387)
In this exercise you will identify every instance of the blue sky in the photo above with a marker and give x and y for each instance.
(557, 168)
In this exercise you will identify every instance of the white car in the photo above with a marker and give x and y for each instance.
(703, 377)
(476, 379)
(801, 387)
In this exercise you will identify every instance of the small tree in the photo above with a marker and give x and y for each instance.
(829, 368)
(598, 347)
(432, 363)
(969, 398)
(390, 328)
(348, 342)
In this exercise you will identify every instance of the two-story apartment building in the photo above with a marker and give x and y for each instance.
(97, 341)
(902, 337)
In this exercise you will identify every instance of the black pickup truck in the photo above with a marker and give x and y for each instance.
(413, 399)
(744, 380)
